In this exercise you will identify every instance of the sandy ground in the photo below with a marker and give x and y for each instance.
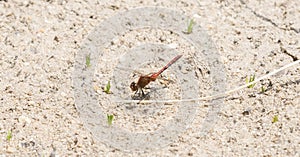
(41, 42)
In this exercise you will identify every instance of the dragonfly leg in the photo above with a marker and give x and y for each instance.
(136, 92)
(143, 94)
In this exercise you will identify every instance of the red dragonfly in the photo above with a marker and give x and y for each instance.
(146, 79)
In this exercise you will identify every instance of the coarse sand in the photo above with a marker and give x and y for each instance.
(47, 108)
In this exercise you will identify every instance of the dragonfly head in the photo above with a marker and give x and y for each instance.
(133, 86)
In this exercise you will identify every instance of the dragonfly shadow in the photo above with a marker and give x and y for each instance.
(146, 96)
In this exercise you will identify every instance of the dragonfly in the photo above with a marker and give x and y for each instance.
(144, 80)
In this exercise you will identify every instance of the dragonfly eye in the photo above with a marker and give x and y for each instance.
(133, 86)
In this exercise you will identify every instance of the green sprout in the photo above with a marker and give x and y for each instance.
(251, 79)
(107, 88)
(9, 135)
(190, 27)
(262, 89)
(275, 119)
(88, 60)
(110, 119)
